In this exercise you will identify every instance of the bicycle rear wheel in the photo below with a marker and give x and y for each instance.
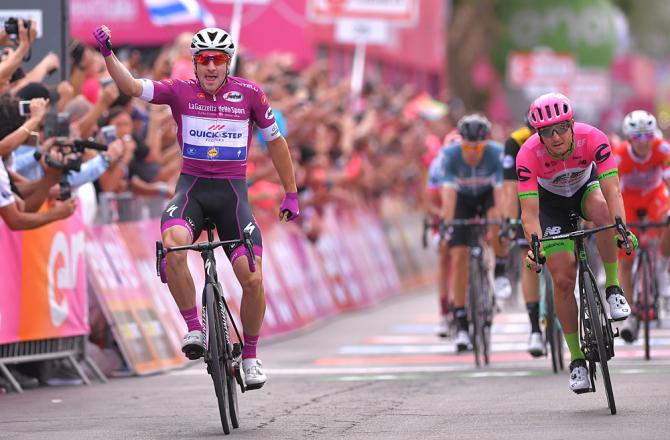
(216, 359)
(486, 317)
(473, 299)
(646, 286)
(598, 321)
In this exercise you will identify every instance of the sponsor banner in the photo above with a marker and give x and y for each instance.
(48, 299)
(116, 256)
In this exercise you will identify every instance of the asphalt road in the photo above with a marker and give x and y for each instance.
(375, 374)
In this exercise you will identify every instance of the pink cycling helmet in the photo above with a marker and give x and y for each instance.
(549, 109)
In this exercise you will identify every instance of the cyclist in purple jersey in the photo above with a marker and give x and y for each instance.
(215, 114)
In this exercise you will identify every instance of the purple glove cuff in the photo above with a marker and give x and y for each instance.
(104, 43)
(290, 204)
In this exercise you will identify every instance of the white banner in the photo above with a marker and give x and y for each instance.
(397, 11)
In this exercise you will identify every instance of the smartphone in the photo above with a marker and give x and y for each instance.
(24, 108)
(33, 140)
(108, 134)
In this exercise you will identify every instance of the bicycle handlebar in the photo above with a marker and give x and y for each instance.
(204, 246)
(618, 225)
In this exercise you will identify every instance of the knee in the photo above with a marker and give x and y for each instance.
(564, 285)
(252, 283)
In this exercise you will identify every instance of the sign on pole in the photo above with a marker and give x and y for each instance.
(361, 31)
(399, 12)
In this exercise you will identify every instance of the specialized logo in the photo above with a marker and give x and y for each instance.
(171, 210)
(268, 114)
(233, 96)
(250, 228)
(602, 153)
(552, 230)
(264, 100)
(200, 95)
(523, 173)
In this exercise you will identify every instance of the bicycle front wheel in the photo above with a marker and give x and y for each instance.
(475, 318)
(215, 355)
(647, 282)
(598, 320)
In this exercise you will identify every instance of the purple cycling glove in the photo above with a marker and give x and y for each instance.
(290, 204)
(103, 40)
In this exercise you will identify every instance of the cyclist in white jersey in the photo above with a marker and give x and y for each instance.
(215, 114)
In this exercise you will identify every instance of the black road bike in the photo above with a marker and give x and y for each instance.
(595, 328)
(481, 302)
(222, 356)
(645, 283)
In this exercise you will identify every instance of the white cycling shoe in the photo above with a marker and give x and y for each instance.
(502, 288)
(619, 308)
(462, 341)
(443, 327)
(536, 345)
(254, 378)
(193, 344)
(579, 377)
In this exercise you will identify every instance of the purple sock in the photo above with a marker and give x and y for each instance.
(249, 350)
(191, 319)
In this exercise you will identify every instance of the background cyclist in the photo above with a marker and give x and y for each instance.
(570, 166)
(471, 188)
(215, 114)
(529, 278)
(643, 160)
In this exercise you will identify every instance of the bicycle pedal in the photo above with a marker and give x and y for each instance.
(617, 333)
(193, 353)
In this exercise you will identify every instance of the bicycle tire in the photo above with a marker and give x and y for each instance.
(474, 321)
(646, 287)
(231, 384)
(596, 315)
(486, 318)
(550, 330)
(216, 359)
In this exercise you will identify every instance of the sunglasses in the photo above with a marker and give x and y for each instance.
(218, 59)
(470, 146)
(560, 128)
(642, 137)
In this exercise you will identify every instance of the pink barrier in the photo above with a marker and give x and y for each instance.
(43, 273)
(350, 267)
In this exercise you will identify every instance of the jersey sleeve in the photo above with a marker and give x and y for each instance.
(509, 159)
(261, 114)
(603, 155)
(158, 92)
(498, 156)
(526, 171)
(448, 176)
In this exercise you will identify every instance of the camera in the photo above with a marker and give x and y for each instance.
(57, 125)
(72, 159)
(24, 108)
(12, 26)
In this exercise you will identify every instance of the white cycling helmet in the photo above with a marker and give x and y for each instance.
(213, 39)
(638, 122)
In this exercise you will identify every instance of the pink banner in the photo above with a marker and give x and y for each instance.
(44, 282)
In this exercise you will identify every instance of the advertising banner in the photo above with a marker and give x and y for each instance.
(43, 273)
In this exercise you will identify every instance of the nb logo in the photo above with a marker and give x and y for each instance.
(552, 230)
(171, 210)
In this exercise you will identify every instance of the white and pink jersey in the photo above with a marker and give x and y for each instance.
(564, 177)
(214, 131)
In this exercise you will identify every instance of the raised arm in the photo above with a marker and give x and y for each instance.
(119, 73)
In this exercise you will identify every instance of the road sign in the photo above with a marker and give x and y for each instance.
(396, 11)
(361, 31)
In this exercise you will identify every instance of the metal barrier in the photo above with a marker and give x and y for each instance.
(126, 207)
(72, 348)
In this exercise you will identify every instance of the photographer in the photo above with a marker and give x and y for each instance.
(11, 61)
(15, 129)
(11, 210)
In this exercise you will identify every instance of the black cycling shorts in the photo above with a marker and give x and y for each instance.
(469, 207)
(223, 201)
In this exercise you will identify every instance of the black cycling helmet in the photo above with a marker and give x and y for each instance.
(474, 127)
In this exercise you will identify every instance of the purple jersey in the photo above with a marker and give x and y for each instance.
(214, 131)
